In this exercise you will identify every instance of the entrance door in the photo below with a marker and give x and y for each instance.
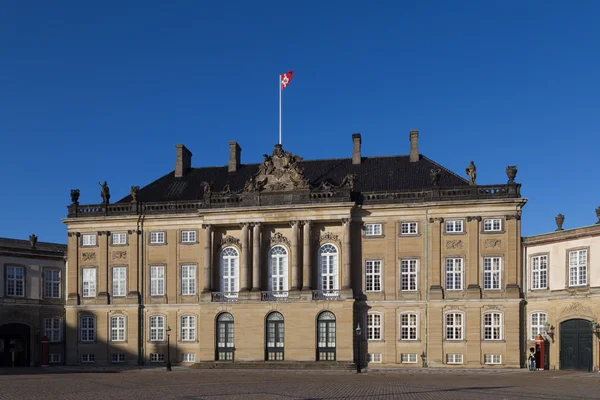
(275, 337)
(14, 344)
(576, 344)
(326, 337)
(225, 345)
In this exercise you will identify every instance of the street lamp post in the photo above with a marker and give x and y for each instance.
(358, 332)
(168, 348)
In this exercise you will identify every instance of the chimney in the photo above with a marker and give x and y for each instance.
(414, 146)
(183, 160)
(356, 140)
(235, 152)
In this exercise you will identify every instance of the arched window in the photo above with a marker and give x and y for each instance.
(230, 271)
(278, 270)
(326, 336)
(328, 269)
(275, 337)
(225, 343)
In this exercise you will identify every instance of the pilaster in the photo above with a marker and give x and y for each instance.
(295, 278)
(307, 258)
(472, 262)
(256, 246)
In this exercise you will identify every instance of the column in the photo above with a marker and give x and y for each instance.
(207, 257)
(132, 270)
(256, 256)
(346, 269)
(307, 258)
(72, 279)
(244, 270)
(294, 256)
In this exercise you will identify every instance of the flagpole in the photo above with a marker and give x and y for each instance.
(280, 109)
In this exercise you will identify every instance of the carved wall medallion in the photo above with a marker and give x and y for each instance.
(230, 240)
(329, 237)
(119, 255)
(577, 309)
(493, 243)
(278, 238)
(88, 256)
(454, 244)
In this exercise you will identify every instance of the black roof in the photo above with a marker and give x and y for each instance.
(374, 174)
(21, 247)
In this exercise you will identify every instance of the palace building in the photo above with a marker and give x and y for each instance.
(391, 260)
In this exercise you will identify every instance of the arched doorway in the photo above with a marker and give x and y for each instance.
(275, 337)
(326, 336)
(14, 340)
(225, 344)
(576, 344)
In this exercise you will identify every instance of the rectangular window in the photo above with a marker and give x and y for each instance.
(87, 328)
(189, 357)
(454, 326)
(538, 324)
(374, 326)
(408, 326)
(454, 358)
(578, 268)
(87, 358)
(157, 357)
(492, 328)
(373, 278)
(375, 358)
(89, 282)
(157, 328)
(54, 358)
(119, 277)
(15, 281)
(157, 280)
(88, 239)
(188, 280)
(454, 273)
(409, 358)
(539, 272)
(157, 237)
(408, 281)
(493, 359)
(52, 283)
(117, 357)
(188, 328)
(408, 228)
(492, 267)
(119, 238)
(117, 329)
(373, 230)
(188, 236)
(52, 329)
(492, 225)
(455, 226)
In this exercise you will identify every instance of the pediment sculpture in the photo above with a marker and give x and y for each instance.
(280, 171)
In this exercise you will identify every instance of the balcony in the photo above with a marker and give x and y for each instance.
(224, 297)
(326, 295)
(275, 296)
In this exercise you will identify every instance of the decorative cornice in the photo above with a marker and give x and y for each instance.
(278, 238)
(230, 240)
(329, 236)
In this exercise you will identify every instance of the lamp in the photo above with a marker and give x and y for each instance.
(168, 330)
(358, 333)
(424, 357)
(596, 328)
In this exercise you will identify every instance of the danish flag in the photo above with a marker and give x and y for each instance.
(286, 78)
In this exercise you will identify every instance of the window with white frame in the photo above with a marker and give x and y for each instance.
(493, 359)
(328, 269)
(492, 326)
(373, 277)
(52, 329)
(538, 324)
(118, 357)
(578, 268)
(119, 281)
(278, 270)
(188, 280)
(87, 358)
(51, 283)
(454, 273)
(87, 328)
(117, 328)
(408, 271)
(230, 271)
(492, 269)
(454, 226)
(88, 239)
(492, 225)
(454, 358)
(157, 328)
(157, 237)
(409, 358)
(408, 228)
(375, 358)
(373, 229)
(374, 325)
(89, 282)
(408, 326)
(119, 238)
(189, 357)
(157, 357)
(54, 358)
(157, 280)
(188, 236)
(539, 272)
(188, 328)
(15, 281)
(454, 326)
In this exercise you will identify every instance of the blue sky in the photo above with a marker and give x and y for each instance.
(94, 91)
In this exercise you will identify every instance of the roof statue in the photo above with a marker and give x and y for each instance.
(279, 172)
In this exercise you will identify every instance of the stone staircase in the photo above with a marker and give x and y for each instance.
(278, 365)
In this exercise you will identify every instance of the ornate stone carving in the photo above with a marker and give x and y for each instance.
(134, 192)
(71, 234)
(329, 237)
(207, 188)
(278, 238)
(577, 308)
(492, 308)
(104, 192)
(33, 240)
(472, 173)
(279, 172)
(511, 173)
(560, 220)
(230, 240)
(598, 215)
(435, 174)
(432, 220)
(492, 243)
(469, 219)
(514, 216)
(226, 189)
(119, 255)
(88, 256)
(454, 244)
(350, 181)
(75, 196)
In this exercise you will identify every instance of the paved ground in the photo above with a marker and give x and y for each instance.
(190, 384)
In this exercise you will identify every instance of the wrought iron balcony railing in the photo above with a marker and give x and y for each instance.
(326, 295)
(224, 297)
(281, 295)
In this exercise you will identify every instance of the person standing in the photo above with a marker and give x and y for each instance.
(531, 359)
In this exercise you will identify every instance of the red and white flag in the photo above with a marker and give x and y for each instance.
(285, 79)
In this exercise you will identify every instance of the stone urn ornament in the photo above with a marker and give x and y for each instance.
(598, 214)
(74, 196)
(511, 173)
(560, 220)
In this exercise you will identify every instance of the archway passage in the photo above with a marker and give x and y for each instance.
(576, 344)
(14, 345)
